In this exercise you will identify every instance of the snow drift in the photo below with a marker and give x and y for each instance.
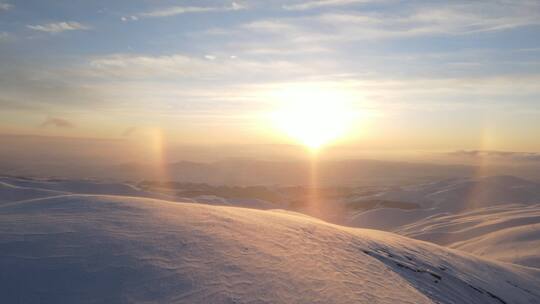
(110, 249)
(509, 233)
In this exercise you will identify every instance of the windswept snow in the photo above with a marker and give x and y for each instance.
(496, 217)
(508, 233)
(75, 186)
(459, 195)
(11, 193)
(246, 203)
(17, 189)
(519, 245)
(111, 249)
(49, 187)
(387, 219)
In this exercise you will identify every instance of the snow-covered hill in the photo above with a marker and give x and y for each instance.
(16, 189)
(245, 203)
(519, 245)
(10, 193)
(111, 249)
(76, 186)
(457, 195)
(508, 233)
(497, 217)
(444, 198)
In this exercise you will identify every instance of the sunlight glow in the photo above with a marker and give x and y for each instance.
(313, 116)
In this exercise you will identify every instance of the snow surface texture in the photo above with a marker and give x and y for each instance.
(75, 186)
(17, 189)
(496, 217)
(508, 233)
(112, 249)
(458, 195)
(11, 193)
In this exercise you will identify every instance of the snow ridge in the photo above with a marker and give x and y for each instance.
(96, 248)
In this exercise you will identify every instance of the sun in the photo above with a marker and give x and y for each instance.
(313, 116)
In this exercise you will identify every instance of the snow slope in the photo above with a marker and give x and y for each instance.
(519, 245)
(457, 195)
(111, 249)
(10, 193)
(387, 219)
(508, 233)
(76, 186)
(444, 198)
(496, 217)
(245, 203)
(16, 189)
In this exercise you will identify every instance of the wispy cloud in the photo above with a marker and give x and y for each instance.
(58, 123)
(497, 155)
(179, 10)
(59, 27)
(131, 78)
(129, 18)
(204, 67)
(5, 6)
(414, 21)
(321, 3)
(273, 26)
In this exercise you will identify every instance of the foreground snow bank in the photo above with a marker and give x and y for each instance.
(108, 249)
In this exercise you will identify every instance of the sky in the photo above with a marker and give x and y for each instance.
(413, 75)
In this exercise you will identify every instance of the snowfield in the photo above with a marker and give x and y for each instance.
(496, 217)
(112, 249)
(459, 195)
(11, 193)
(16, 189)
(508, 233)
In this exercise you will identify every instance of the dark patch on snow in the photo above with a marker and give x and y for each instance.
(475, 288)
(482, 291)
(521, 288)
(407, 263)
(419, 270)
(496, 297)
